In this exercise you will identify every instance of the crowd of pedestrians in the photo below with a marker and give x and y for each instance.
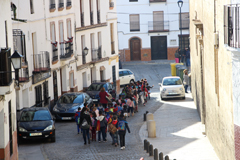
(183, 56)
(110, 115)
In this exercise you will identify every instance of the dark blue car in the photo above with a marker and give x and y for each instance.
(94, 89)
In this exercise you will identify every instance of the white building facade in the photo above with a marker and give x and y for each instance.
(55, 37)
(8, 129)
(150, 29)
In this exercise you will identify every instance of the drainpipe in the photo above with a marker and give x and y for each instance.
(45, 19)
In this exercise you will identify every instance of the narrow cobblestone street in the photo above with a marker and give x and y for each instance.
(69, 144)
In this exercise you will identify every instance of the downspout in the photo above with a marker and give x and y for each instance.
(45, 21)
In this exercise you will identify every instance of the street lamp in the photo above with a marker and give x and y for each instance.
(85, 51)
(180, 4)
(16, 59)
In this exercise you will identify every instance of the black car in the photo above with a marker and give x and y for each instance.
(34, 123)
(68, 104)
(94, 89)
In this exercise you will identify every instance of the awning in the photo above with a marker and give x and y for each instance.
(102, 68)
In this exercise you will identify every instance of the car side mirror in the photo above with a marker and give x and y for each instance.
(160, 84)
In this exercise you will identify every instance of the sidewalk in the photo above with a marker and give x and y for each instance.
(148, 62)
(179, 132)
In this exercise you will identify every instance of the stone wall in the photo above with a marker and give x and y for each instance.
(211, 76)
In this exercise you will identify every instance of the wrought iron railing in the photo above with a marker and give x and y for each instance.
(82, 19)
(23, 75)
(113, 47)
(91, 17)
(111, 4)
(97, 53)
(60, 5)
(158, 26)
(68, 50)
(54, 52)
(98, 17)
(83, 58)
(69, 3)
(52, 6)
(185, 24)
(41, 62)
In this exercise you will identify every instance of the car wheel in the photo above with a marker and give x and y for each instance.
(132, 81)
(183, 97)
(53, 139)
(162, 98)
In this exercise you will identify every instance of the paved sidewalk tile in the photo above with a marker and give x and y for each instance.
(179, 132)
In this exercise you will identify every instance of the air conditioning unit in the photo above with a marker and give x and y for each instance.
(216, 39)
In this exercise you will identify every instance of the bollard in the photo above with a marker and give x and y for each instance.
(146, 112)
(166, 157)
(147, 146)
(150, 150)
(155, 154)
(161, 156)
(149, 116)
(144, 117)
(151, 126)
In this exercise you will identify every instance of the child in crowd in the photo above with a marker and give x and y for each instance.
(77, 118)
(102, 127)
(93, 129)
(122, 126)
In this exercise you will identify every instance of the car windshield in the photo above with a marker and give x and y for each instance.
(172, 81)
(95, 87)
(37, 115)
(70, 99)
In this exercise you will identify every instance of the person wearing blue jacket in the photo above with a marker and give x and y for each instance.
(77, 118)
(122, 126)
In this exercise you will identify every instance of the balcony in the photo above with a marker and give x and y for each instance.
(54, 52)
(69, 4)
(60, 6)
(152, 1)
(158, 26)
(68, 50)
(185, 24)
(96, 53)
(91, 17)
(111, 4)
(23, 75)
(98, 17)
(113, 47)
(82, 19)
(41, 62)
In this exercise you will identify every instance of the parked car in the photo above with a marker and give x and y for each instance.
(126, 76)
(172, 87)
(34, 123)
(68, 104)
(94, 89)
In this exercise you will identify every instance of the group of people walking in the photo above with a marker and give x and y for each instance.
(111, 116)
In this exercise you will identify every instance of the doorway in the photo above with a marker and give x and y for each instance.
(135, 49)
(55, 88)
(159, 47)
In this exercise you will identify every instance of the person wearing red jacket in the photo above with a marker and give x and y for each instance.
(103, 100)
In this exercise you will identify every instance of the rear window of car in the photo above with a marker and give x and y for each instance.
(95, 87)
(70, 99)
(172, 81)
(38, 115)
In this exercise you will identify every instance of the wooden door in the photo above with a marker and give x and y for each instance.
(135, 49)
(159, 47)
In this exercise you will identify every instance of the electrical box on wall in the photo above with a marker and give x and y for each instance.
(216, 39)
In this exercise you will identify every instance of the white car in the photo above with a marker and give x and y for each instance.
(126, 76)
(172, 87)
